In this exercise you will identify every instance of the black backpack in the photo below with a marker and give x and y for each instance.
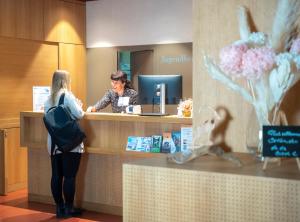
(65, 132)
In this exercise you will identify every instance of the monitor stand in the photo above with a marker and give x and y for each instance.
(161, 92)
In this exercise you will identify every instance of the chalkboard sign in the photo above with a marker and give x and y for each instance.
(281, 141)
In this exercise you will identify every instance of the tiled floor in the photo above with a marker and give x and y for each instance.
(15, 208)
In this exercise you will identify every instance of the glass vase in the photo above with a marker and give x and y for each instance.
(254, 130)
(253, 135)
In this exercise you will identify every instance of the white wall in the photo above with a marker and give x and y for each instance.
(138, 22)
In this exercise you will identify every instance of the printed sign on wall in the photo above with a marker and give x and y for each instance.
(281, 141)
(39, 95)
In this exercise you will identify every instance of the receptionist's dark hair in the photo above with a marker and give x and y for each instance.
(122, 76)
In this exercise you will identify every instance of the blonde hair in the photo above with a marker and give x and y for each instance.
(60, 80)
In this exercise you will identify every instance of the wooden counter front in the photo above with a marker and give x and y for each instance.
(13, 158)
(99, 183)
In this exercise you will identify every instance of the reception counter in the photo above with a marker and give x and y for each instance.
(99, 182)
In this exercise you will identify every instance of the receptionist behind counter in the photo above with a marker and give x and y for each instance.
(120, 96)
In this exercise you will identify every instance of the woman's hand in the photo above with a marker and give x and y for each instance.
(90, 109)
(79, 102)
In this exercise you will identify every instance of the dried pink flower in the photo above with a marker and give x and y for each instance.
(257, 61)
(231, 59)
(295, 48)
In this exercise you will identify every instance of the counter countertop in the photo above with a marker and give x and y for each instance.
(214, 164)
(123, 117)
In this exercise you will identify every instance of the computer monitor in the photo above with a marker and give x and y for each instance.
(147, 87)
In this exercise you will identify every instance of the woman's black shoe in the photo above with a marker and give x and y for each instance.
(72, 212)
(60, 212)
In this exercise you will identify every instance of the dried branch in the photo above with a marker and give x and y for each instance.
(285, 24)
(243, 23)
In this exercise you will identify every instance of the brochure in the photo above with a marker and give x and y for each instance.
(186, 138)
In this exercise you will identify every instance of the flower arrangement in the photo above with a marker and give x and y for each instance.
(269, 64)
(185, 108)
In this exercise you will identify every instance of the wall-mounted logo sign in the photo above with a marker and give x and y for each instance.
(281, 141)
(175, 59)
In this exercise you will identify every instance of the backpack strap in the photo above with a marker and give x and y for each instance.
(61, 99)
(52, 147)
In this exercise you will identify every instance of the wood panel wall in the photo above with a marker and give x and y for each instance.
(64, 21)
(100, 64)
(22, 19)
(33, 34)
(73, 58)
(48, 20)
(23, 64)
(31, 53)
(215, 26)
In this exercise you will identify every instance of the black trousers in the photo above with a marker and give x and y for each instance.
(64, 170)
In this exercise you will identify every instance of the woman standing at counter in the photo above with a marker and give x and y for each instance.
(64, 165)
(120, 96)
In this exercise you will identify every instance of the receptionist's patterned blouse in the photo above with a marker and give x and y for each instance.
(112, 98)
